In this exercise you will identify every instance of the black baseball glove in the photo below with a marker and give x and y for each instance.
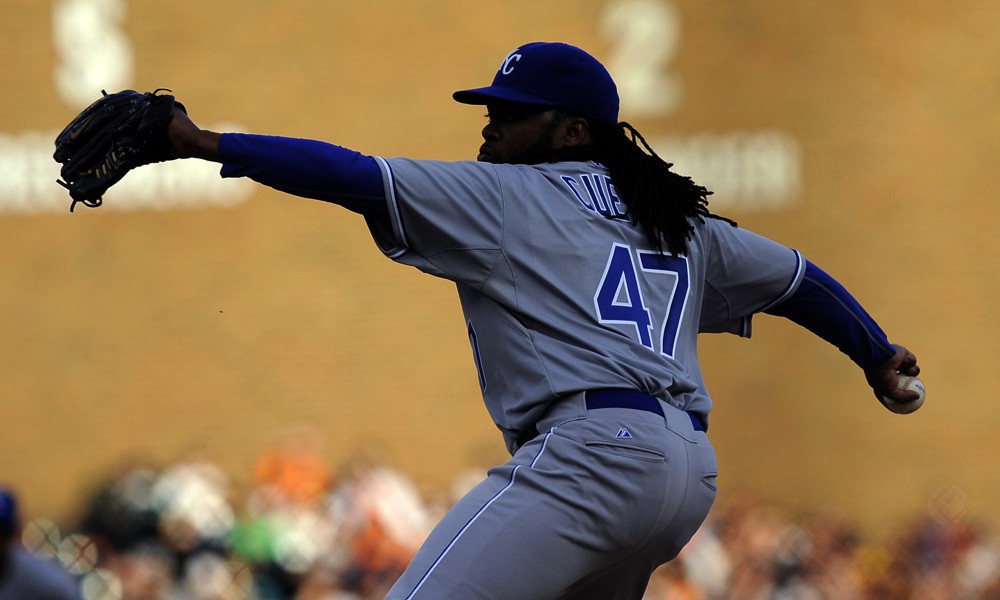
(112, 136)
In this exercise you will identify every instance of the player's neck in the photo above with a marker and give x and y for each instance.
(567, 154)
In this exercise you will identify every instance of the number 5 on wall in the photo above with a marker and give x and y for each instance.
(92, 49)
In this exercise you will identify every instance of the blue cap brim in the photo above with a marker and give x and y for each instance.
(492, 93)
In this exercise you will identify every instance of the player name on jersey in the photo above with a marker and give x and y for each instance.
(597, 194)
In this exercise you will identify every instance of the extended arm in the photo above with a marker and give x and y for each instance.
(823, 306)
(306, 168)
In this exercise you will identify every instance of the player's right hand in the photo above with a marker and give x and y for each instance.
(884, 379)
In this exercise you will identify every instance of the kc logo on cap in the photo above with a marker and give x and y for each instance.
(508, 67)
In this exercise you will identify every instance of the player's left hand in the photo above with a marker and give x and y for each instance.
(187, 140)
(884, 379)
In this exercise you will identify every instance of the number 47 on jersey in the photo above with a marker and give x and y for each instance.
(621, 299)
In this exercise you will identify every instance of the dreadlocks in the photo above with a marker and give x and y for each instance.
(659, 201)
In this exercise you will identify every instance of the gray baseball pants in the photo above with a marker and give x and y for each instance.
(586, 510)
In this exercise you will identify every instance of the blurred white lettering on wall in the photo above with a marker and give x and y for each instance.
(93, 53)
(748, 170)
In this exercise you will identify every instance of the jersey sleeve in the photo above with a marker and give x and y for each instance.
(823, 306)
(745, 274)
(306, 168)
(445, 218)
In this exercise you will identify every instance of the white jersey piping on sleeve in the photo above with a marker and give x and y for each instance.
(745, 327)
(394, 207)
(793, 284)
(746, 323)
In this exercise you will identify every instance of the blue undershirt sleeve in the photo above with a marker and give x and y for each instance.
(824, 307)
(307, 168)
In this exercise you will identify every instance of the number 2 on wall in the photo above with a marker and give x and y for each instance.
(645, 37)
(620, 298)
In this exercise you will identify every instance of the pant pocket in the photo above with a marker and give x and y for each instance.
(637, 451)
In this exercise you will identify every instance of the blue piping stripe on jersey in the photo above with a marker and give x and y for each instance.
(476, 516)
(396, 217)
(878, 341)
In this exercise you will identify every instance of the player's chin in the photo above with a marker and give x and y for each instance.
(485, 155)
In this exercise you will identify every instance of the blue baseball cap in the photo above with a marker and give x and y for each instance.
(551, 74)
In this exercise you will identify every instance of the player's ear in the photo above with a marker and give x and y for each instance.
(574, 131)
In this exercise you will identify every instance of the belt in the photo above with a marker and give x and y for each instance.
(634, 399)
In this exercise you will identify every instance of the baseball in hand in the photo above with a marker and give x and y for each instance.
(907, 382)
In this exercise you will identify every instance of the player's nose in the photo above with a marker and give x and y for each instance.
(491, 132)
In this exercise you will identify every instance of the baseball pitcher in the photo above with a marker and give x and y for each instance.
(586, 269)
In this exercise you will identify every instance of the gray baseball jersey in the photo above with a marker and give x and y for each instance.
(561, 293)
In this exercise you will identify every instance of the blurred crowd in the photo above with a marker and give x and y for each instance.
(301, 532)
(749, 550)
